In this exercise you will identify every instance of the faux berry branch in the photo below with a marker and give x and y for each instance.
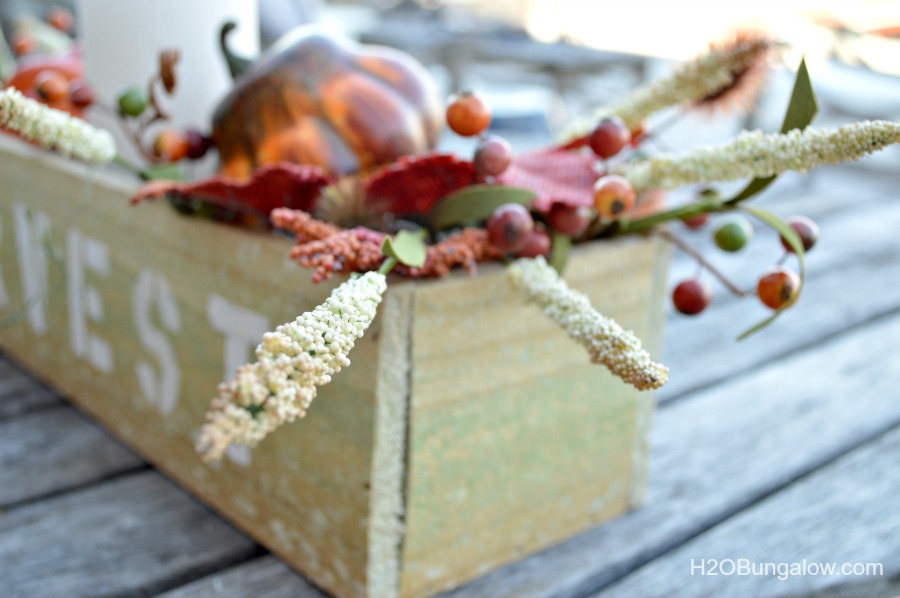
(423, 215)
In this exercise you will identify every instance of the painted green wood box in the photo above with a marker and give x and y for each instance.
(468, 432)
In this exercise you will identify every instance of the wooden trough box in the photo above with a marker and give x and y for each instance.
(468, 432)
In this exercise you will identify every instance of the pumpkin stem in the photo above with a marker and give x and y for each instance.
(236, 64)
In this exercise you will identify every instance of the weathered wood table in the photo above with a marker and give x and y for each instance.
(780, 451)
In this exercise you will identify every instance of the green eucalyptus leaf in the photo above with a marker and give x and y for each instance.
(793, 239)
(166, 172)
(407, 247)
(475, 203)
(800, 113)
(560, 245)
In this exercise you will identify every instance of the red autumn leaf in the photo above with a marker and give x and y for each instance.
(281, 185)
(413, 184)
(555, 175)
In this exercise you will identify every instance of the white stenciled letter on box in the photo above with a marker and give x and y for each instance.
(122, 39)
(86, 254)
(243, 330)
(160, 384)
(32, 237)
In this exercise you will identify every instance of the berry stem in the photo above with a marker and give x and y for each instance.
(682, 245)
(133, 134)
(387, 265)
(686, 211)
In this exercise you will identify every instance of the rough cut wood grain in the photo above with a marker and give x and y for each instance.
(45, 452)
(265, 577)
(120, 550)
(387, 503)
(845, 512)
(500, 459)
(723, 450)
(507, 417)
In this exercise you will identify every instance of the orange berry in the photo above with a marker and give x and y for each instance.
(171, 145)
(51, 86)
(778, 287)
(467, 114)
(613, 196)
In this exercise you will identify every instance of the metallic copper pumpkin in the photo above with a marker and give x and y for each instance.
(315, 98)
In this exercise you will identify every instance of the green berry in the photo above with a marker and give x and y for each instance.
(132, 101)
(733, 234)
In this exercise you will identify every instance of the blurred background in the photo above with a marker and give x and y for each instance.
(543, 62)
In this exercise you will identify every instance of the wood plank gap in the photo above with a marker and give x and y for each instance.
(11, 506)
(262, 577)
(876, 534)
(646, 558)
(133, 536)
(194, 574)
(39, 408)
(751, 369)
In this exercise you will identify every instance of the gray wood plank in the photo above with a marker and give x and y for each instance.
(845, 513)
(265, 577)
(53, 450)
(723, 450)
(19, 393)
(131, 536)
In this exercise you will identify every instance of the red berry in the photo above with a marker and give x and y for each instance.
(467, 114)
(609, 137)
(569, 220)
(51, 86)
(536, 243)
(509, 226)
(81, 94)
(198, 144)
(778, 287)
(806, 229)
(692, 296)
(61, 18)
(492, 156)
(613, 196)
(696, 221)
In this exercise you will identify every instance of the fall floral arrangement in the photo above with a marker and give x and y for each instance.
(333, 142)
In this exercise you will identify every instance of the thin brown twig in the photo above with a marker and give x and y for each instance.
(682, 245)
